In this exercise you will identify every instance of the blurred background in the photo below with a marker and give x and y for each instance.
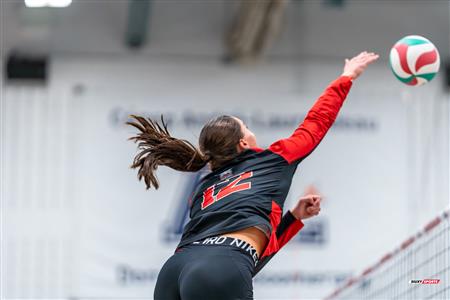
(77, 224)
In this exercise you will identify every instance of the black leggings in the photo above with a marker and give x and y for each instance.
(210, 272)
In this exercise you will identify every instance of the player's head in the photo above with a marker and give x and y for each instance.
(221, 140)
(224, 137)
(249, 139)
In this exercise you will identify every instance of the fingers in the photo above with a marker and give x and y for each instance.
(312, 203)
(311, 199)
(312, 210)
(307, 207)
(356, 65)
(310, 196)
(364, 56)
(365, 53)
(316, 201)
(369, 57)
(316, 204)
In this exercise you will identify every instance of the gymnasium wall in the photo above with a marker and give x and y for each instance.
(79, 224)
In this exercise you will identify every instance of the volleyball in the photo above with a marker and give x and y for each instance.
(414, 60)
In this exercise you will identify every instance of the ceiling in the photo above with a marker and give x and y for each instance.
(196, 28)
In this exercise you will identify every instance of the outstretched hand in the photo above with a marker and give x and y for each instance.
(307, 207)
(356, 65)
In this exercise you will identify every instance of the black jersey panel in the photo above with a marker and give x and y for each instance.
(238, 195)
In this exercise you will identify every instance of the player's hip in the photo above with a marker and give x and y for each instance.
(207, 271)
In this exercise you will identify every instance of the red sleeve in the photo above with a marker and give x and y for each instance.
(316, 124)
(283, 230)
(288, 228)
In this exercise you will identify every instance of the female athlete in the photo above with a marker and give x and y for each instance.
(236, 223)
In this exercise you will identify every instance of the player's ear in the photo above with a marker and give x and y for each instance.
(242, 145)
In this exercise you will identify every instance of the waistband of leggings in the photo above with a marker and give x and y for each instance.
(230, 241)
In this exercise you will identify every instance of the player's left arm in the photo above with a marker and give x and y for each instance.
(291, 223)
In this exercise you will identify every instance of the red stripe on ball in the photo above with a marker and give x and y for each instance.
(402, 49)
(426, 59)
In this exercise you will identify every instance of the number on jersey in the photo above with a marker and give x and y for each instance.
(210, 195)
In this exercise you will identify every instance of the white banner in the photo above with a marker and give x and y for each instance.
(127, 233)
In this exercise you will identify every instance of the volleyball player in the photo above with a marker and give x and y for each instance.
(236, 223)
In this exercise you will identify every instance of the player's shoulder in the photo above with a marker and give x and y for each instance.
(246, 160)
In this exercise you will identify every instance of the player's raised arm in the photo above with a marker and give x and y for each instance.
(322, 115)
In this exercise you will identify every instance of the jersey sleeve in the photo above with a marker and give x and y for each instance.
(288, 227)
(316, 124)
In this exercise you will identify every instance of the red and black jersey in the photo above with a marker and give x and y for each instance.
(251, 189)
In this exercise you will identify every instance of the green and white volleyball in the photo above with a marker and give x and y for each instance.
(414, 60)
